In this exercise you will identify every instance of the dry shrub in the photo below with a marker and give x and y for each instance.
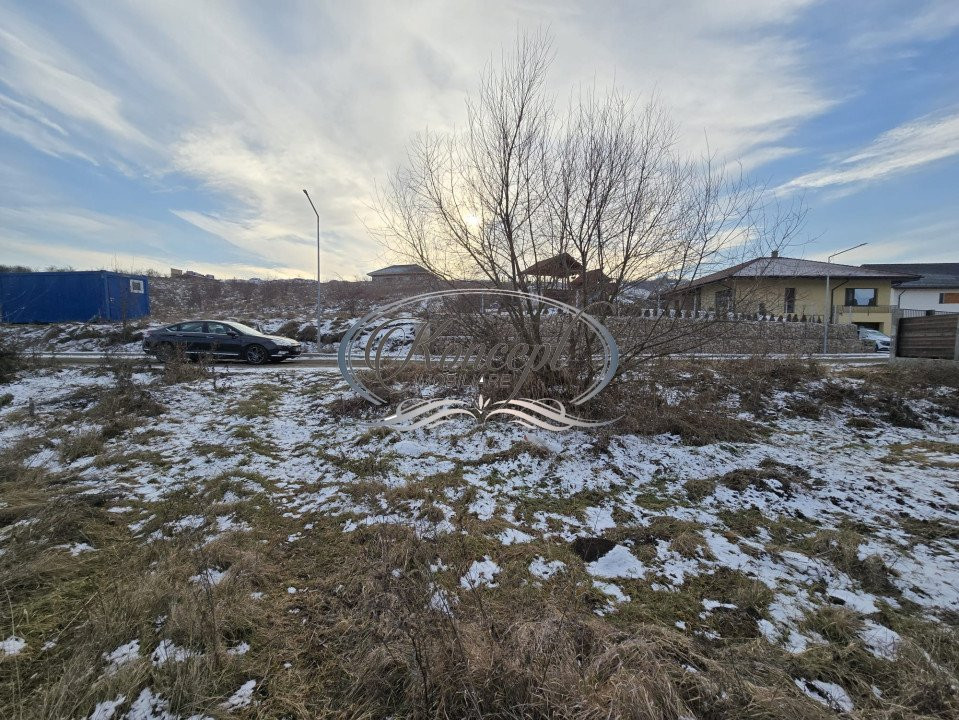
(11, 359)
(911, 376)
(877, 400)
(757, 379)
(307, 333)
(124, 405)
(289, 329)
(698, 419)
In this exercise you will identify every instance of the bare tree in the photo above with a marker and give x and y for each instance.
(603, 182)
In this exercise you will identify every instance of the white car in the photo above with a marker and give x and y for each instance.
(878, 340)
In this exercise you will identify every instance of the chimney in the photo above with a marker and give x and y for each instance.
(775, 253)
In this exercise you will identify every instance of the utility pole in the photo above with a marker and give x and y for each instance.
(827, 308)
(319, 296)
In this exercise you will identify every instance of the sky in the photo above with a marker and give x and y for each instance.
(165, 134)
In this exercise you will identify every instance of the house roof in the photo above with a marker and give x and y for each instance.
(592, 278)
(931, 275)
(400, 270)
(785, 267)
(562, 265)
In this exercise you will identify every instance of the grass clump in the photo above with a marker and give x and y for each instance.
(785, 476)
(699, 488)
(12, 359)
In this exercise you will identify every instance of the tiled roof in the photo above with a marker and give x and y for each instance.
(400, 270)
(591, 278)
(932, 275)
(784, 267)
(562, 265)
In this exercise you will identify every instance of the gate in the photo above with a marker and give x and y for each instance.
(931, 336)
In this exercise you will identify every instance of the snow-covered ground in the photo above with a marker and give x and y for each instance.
(673, 516)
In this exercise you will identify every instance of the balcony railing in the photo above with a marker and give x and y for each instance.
(866, 309)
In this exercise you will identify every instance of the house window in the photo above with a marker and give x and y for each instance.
(861, 296)
(136, 286)
(790, 300)
(949, 298)
(724, 301)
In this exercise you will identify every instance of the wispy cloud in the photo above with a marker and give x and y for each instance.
(933, 21)
(249, 106)
(904, 148)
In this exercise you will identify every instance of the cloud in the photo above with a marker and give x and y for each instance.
(249, 106)
(902, 149)
(935, 21)
(37, 67)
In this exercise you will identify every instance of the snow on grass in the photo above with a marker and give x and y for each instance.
(480, 573)
(614, 591)
(711, 605)
(241, 698)
(148, 706)
(617, 563)
(13, 645)
(829, 694)
(76, 548)
(529, 489)
(512, 536)
(545, 569)
(167, 651)
(209, 576)
(126, 653)
(106, 709)
(881, 641)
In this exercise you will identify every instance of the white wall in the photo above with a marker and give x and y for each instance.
(923, 299)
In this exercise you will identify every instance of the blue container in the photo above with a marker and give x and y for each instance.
(91, 296)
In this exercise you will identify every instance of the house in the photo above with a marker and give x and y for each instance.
(402, 275)
(551, 276)
(796, 288)
(557, 269)
(81, 296)
(936, 286)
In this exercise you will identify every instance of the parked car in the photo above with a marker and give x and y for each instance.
(878, 340)
(219, 338)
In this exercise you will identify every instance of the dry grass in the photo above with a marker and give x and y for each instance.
(11, 359)
(366, 635)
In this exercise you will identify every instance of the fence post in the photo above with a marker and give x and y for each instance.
(955, 349)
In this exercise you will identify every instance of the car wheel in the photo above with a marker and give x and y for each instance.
(165, 352)
(256, 355)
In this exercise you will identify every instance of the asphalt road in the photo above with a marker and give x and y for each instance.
(328, 360)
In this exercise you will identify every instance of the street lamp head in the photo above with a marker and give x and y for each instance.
(305, 192)
(829, 259)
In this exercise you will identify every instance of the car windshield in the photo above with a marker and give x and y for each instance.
(872, 334)
(245, 329)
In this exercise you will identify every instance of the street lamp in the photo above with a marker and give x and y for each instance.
(319, 301)
(828, 307)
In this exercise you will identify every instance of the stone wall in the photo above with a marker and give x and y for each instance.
(677, 334)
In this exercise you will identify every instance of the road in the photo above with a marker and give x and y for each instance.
(328, 360)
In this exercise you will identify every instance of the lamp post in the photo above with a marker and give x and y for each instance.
(828, 306)
(319, 298)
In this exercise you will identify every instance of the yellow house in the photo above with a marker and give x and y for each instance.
(796, 289)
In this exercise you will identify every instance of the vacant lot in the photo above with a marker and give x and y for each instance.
(754, 540)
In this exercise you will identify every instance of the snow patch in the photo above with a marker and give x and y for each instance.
(617, 563)
(480, 573)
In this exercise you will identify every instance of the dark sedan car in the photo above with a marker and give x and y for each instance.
(219, 338)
